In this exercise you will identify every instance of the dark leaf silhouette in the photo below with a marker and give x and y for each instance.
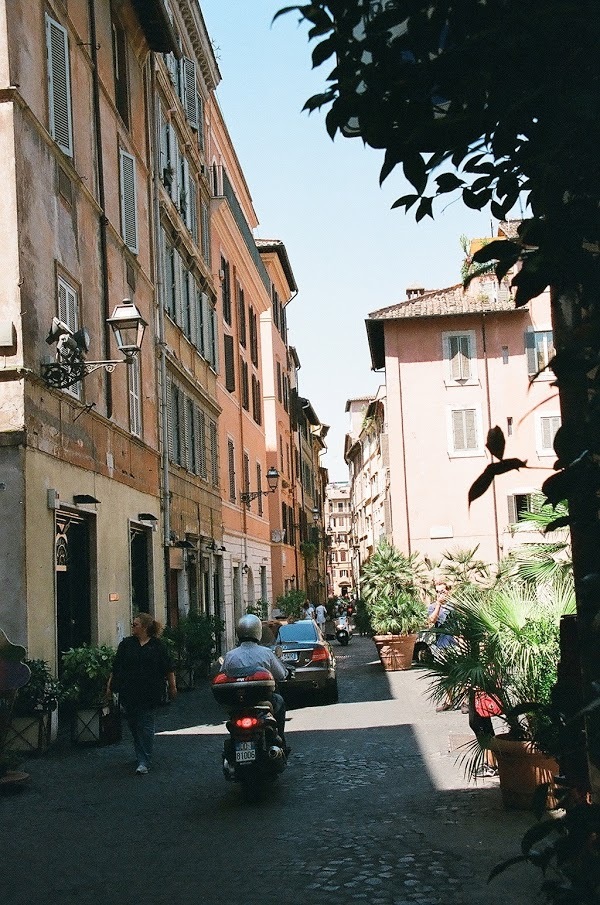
(562, 522)
(496, 442)
(481, 484)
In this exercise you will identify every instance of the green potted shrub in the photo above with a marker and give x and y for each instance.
(84, 675)
(34, 722)
(192, 644)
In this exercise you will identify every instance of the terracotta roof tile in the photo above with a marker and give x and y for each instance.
(445, 302)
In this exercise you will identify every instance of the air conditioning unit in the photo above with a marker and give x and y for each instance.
(278, 536)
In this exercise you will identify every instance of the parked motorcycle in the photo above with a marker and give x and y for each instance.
(254, 751)
(343, 630)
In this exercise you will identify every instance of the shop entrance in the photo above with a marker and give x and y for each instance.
(72, 564)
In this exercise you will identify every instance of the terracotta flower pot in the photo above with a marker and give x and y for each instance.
(396, 651)
(522, 768)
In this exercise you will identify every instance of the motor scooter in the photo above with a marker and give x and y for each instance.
(343, 631)
(254, 751)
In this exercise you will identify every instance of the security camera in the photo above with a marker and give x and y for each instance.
(57, 330)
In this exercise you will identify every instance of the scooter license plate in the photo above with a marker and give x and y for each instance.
(244, 752)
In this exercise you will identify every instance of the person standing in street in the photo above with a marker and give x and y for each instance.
(321, 616)
(141, 668)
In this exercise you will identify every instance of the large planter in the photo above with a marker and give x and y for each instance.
(32, 734)
(395, 651)
(96, 725)
(522, 768)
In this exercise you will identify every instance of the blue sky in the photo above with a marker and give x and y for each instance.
(350, 253)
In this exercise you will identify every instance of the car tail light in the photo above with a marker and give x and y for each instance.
(320, 654)
(246, 722)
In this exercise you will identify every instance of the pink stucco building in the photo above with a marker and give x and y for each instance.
(456, 364)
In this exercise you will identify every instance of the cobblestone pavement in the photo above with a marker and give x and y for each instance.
(372, 808)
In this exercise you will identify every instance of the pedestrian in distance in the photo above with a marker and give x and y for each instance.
(438, 612)
(140, 670)
(321, 616)
(309, 610)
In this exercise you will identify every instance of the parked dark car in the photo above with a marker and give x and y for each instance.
(310, 656)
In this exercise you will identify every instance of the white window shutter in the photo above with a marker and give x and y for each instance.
(163, 144)
(188, 91)
(68, 307)
(205, 233)
(59, 86)
(459, 353)
(549, 426)
(170, 425)
(129, 225)
(192, 208)
(214, 357)
(200, 105)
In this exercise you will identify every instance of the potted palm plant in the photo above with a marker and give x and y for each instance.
(506, 646)
(396, 620)
(85, 672)
(192, 644)
(392, 591)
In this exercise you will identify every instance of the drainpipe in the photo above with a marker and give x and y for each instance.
(153, 107)
(102, 203)
(489, 414)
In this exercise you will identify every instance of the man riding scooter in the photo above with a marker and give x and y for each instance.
(251, 654)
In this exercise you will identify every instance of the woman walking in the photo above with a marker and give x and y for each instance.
(140, 670)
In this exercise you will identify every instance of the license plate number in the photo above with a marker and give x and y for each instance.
(244, 752)
(289, 655)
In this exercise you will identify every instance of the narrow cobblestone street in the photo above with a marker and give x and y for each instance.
(372, 808)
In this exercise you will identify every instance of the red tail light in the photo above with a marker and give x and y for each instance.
(319, 654)
(246, 722)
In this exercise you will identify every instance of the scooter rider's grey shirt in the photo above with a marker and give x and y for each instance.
(251, 654)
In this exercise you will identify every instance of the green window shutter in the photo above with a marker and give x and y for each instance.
(59, 86)
(229, 364)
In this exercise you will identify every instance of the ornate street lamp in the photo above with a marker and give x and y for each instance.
(70, 365)
(272, 482)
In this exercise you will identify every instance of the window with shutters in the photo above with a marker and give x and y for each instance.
(241, 308)
(213, 442)
(129, 224)
(518, 505)
(200, 434)
(60, 114)
(259, 487)
(465, 431)
(279, 384)
(459, 357)
(539, 347)
(205, 238)
(191, 451)
(188, 93)
(231, 469)
(256, 400)
(175, 423)
(253, 331)
(135, 397)
(119, 42)
(547, 426)
(201, 139)
(247, 477)
(225, 291)
(68, 312)
(229, 362)
(244, 385)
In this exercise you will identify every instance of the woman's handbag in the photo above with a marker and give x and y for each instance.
(487, 704)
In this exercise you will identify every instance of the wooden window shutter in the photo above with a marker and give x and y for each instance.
(201, 442)
(205, 232)
(247, 476)
(530, 352)
(200, 105)
(174, 164)
(231, 467)
(259, 487)
(226, 291)
(129, 224)
(459, 347)
(464, 429)
(214, 453)
(512, 510)
(59, 86)
(170, 424)
(192, 207)
(189, 95)
(229, 363)
(135, 398)
(189, 453)
(549, 425)
(214, 348)
(241, 305)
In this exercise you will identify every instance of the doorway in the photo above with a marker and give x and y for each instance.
(72, 564)
(140, 569)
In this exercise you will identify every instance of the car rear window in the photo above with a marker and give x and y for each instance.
(298, 631)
